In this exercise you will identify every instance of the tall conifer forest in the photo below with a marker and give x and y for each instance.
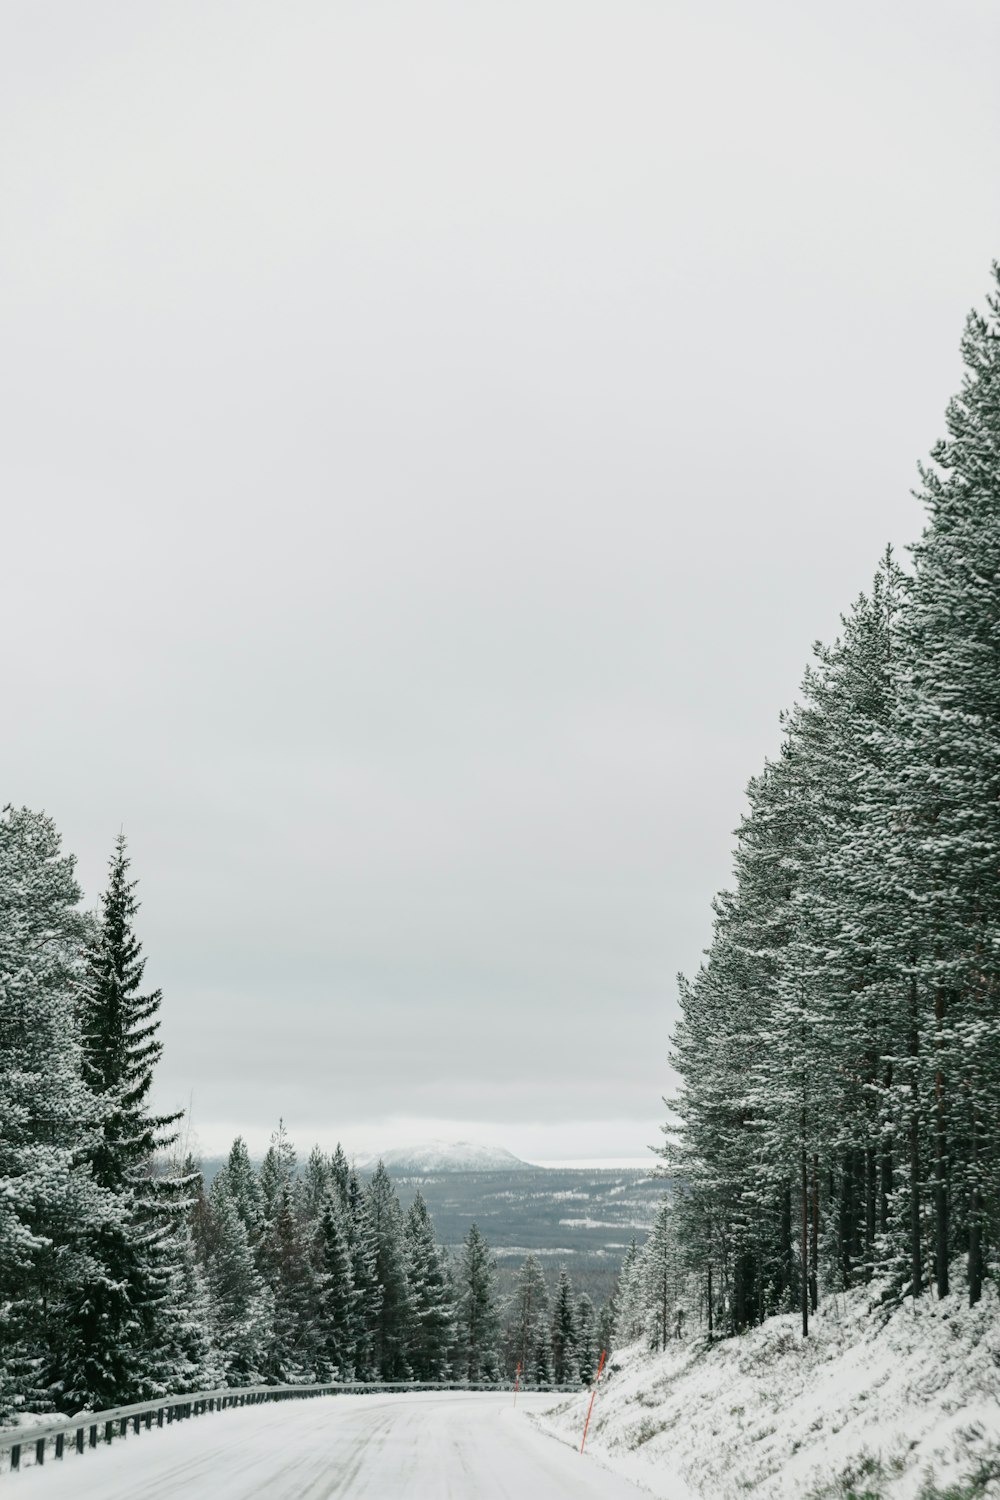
(837, 1121)
(122, 1278)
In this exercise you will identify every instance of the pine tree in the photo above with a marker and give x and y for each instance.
(945, 755)
(527, 1319)
(836, 1121)
(630, 1312)
(662, 1278)
(478, 1312)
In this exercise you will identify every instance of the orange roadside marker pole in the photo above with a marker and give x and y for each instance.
(593, 1392)
(517, 1381)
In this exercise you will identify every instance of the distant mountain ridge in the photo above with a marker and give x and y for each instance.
(429, 1157)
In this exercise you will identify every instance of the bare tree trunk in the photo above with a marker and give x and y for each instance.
(787, 1252)
(846, 1221)
(805, 1240)
(663, 1312)
(885, 1170)
(814, 1237)
(940, 1155)
(870, 1175)
(916, 1268)
(975, 1222)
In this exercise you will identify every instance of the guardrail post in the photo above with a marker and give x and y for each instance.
(60, 1443)
(159, 1417)
(79, 1440)
(15, 1457)
(40, 1451)
(123, 1426)
(93, 1435)
(149, 1420)
(135, 1423)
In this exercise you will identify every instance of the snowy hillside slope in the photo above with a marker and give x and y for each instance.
(868, 1408)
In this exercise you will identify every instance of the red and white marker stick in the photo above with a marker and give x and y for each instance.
(517, 1381)
(593, 1392)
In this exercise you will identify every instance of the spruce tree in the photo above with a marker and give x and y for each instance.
(478, 1313)
(564, 1334)
(393, 1314)
(364, 1274)
(118, 1322)
(339, 1314)
(242, 1304)
(317, 1180)
(341, 1173)
(606, 1327)
(297, 1286)
(51, 1208)
(277, 1173)
(586, 1332)
(190, 1356)
(433, 1309)
(243, 1185)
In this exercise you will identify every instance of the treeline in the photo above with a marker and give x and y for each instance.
(122, 1279)
(100, 1296)
(838, 1120)
(320, 1275)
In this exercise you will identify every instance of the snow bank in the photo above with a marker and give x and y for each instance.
(870, 1407)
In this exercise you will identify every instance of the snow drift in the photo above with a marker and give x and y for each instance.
(873, 1406)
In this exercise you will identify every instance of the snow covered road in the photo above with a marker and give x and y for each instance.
(421, 1446)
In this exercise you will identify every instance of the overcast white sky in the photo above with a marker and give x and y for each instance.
(433, 436)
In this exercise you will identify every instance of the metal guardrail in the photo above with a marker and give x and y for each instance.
(88, 1428)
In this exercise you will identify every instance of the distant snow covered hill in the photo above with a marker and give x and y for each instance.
(430, 1157)
(904, 1407)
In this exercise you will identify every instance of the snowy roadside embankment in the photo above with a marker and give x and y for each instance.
(903, 1407)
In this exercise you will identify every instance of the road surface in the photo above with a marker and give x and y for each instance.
(420, 1446)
